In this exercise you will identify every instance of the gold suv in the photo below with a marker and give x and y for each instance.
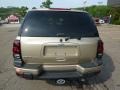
(57, 43)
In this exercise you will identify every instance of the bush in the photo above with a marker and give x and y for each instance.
(117, 22)
(115, 12)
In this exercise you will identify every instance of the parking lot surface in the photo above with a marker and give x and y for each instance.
(108, 79)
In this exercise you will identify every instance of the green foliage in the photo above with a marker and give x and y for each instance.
(23, 11)
(5, 12)
(46, 4)
(34, 8)
(99, 11)
(115, 12)
(102, 11)
(116, 22)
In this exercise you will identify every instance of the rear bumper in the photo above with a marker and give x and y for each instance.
(55, 71)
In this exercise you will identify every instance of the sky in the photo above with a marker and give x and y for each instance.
(56, 3)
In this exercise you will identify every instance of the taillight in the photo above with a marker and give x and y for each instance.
(100, 49)
(17, 53)
(16, 47)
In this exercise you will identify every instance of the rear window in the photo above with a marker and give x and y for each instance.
(53, 23)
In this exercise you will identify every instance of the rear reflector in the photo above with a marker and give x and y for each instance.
(19, 71)
(22, 74)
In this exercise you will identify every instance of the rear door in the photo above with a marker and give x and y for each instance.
(43, 37)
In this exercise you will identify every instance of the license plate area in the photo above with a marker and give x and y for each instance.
(60, 51)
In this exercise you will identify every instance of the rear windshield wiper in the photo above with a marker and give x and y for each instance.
(68, 37)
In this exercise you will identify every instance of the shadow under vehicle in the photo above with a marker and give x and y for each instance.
(100, 78)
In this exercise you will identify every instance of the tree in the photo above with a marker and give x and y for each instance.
(23, 11)
(34, 8)
(5, 12)
(99, 11)
(104, 11)
(46, 4)
(115, 13)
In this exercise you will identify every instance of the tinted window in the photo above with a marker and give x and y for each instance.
(52, 23)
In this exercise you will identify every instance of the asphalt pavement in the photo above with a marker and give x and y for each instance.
(108, 79)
